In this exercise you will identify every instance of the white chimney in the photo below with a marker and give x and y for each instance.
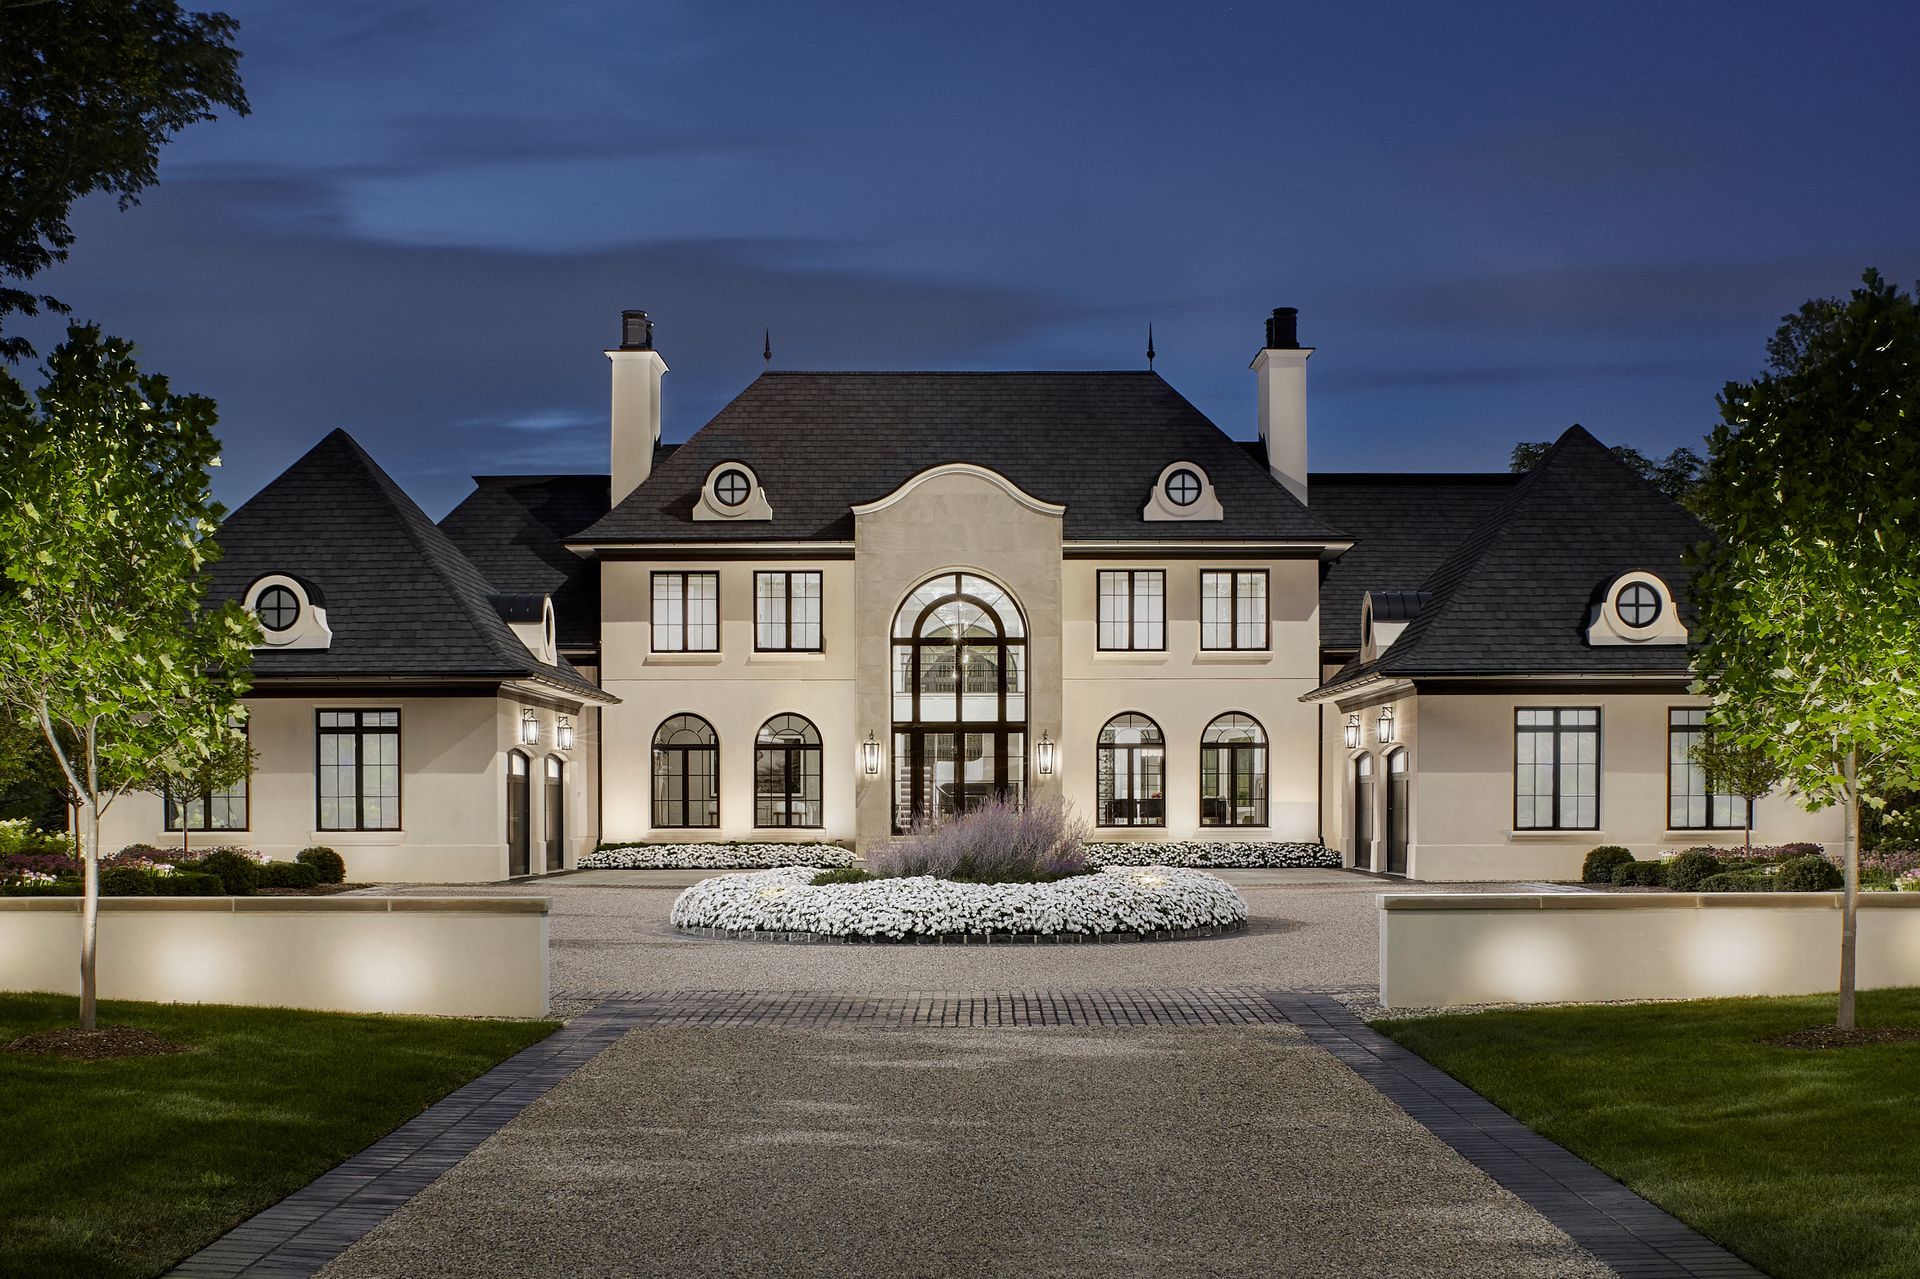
(1280, 373)
(636, 403)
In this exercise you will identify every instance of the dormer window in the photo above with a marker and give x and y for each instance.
(732, 492)
(1638, 605)
(291, 612)
(277, 608)
(1182, 492)
(1183, 487)
(732, 487)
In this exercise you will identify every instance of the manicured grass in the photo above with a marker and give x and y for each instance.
(1806, 1163)
(122, 1167)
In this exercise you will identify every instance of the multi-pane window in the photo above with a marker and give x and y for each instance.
(686, 612)
(1131, 773)
(786, 612)
(1556, 769)
(1690, 805)
(686, 774)
(1133, 609)
(359, 770)
(786, 773)
(1233, 609)
(220, 810)
(1233, 773)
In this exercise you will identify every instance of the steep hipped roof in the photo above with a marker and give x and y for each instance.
(1515, 596)
(1403, 527)
(821, 443)
(400, 598)
(512, 528)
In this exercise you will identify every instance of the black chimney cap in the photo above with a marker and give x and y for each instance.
(636, 331)
(1283, 332)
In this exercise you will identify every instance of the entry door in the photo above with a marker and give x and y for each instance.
(1396, 813)
(939, 775)
(556, 811)
(519, 825)
(1363, 812)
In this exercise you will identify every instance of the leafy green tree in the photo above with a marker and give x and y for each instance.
(1733, 765)
(1677, 474)
(228, 762)
(31, 785)
(1807, 605)
(106, 532)
(89, 91)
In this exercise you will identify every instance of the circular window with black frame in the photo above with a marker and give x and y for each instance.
(731, 487)
(277, 608)
(1638, 605)
(1183, 487)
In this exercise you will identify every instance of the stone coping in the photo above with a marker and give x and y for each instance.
(1490, 902)
(963, 939)
(336, 904)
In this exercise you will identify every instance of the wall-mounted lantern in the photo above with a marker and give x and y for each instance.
(1043, 755)
(1353, 732)
(1384, 729)
(529, 728)
(870, 757)
(564, 734)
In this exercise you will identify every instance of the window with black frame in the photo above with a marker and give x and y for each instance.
(224, 809)
(686, 774)
(686, 612)
(357, 756)
(1690, 804)
(1233, 772)
(1131, 773)
(1233, 609)
(786, 612)
(786, 773)
(1133, 610)
(1556, 768)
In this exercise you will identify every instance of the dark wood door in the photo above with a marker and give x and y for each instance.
(519, 825)
(556, 811)
(1397, 815)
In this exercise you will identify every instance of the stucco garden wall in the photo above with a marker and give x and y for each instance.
(1444, 949)
(453, 957)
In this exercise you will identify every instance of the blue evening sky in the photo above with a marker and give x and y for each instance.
(1495, 219)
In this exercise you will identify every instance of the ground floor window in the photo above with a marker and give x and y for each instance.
(219, 810)
(358, 754)
(1556, 769)
(1131, 773)
(941, 773)
(786, 773)
(686, 774)
(1690, 806)
(1233, 772)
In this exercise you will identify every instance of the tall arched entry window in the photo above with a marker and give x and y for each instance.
(786, 773)
(1131, 773)
(554, 806)
(959, 699)
(1233, 772)
(1363, 812)
(686, 774)
(1397, 824)
(519, 819)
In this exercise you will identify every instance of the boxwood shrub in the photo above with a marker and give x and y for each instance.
(1687, 872)
(127, 881)
(1640, 875)
(239, 874)
(331, 865)
(288, 875)
(1737, 881)
(1808, 875)
(189, 883)
(58, 888)
(1598, 868)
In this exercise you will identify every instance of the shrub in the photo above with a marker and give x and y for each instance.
(841, 875)
(288, 875)
(1598, 868)
(331, 865)
(18, 835)
(127, 881)
(58, 865)
(239, 874)
(1737, 881)
(57, 888)
(189, 883)
(1808, 874)
(1686, 872)
(997, 843)
(1640, 875)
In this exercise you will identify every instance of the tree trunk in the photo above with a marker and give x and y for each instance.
(1849, 899)
(90, 918)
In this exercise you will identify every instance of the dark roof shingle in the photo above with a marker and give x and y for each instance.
(513, 529)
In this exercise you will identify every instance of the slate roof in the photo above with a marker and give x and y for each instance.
(513, 529)
(400, 597)
(1403, 527)
(1514, 596)
(821, 443)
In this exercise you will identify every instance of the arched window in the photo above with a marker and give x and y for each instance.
(1233, 772)
(1131, 773)
(786, 773)
(1363, 812)
(519, 820)
(555, 807)
(686, 774)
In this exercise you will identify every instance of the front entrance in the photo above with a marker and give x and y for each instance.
(1396, 813)
(519, 815)
(959, 700)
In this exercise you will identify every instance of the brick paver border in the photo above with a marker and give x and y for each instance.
(1636, 1238)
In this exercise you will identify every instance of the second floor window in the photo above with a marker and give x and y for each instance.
(786, 612)
(686, 612)
(1133, 609)
(1233, 609)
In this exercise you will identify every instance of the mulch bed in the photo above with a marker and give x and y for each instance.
(1834, 1037)
(318, 890)
(95, 1045)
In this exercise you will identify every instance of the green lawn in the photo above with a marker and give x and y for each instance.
(1805, 1163)
(120, 1168)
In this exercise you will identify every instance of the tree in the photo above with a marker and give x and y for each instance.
(1732, 765)
(228, 762)
(89, 91)
(106, 533)
(1676, 474)
(1807, 604)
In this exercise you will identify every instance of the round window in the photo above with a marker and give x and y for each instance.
(732, 487)
(1183, 487)
(1638, 605)
(277, 608)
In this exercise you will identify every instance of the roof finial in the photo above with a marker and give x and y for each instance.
(1149, 344)
(766, 350)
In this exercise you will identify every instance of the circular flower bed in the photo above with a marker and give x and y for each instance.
(1133, 901)
(713, 856)
(1220, 853)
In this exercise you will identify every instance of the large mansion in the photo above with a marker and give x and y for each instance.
(855, 603)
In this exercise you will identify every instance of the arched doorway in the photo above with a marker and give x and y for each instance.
(519, 818)
(959, 699)
(555, 808)
(1396, 813)
(1363, 813)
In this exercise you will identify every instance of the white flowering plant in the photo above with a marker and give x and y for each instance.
(716, 856)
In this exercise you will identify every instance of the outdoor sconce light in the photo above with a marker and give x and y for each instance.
(1384, 729)
(870, 757)
(529, 728)
(1043, 755)
(564, 734)
(1353, 732)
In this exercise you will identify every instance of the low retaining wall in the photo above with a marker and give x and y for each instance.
(446, 956)
(1444, 949)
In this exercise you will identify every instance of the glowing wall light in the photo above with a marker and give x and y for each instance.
(564, 734)
(1043, 755)
(1383, 729)
(870, 757)
(1353, 732)
(529, 728)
